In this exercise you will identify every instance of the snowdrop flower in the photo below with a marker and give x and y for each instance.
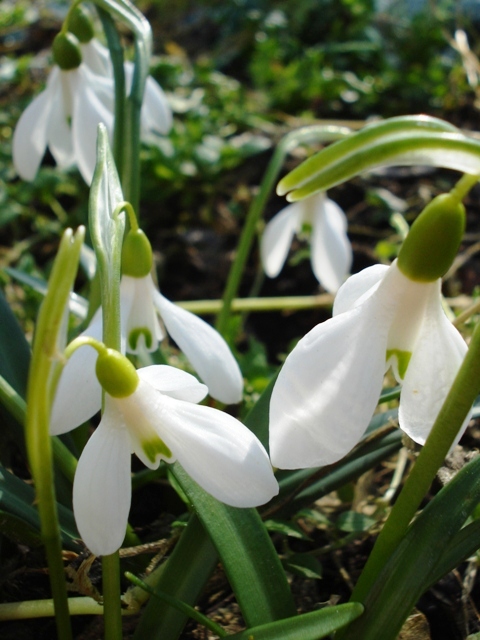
(331, 252)
(144, 313)
(329, 386)
(79, 95)
(64, 117)
(153, 413)
(156, 116)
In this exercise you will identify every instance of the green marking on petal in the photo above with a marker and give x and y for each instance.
(134, 336)
(154, 448)
(403, 359)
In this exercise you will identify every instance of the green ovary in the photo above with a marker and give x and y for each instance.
(403, 359)
(134, 336)
(154, 448)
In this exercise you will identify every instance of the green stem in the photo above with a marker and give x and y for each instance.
(457, 404)
(116, 55)
(112, 613)
(39, 393)
(183, 607)
(314, 133)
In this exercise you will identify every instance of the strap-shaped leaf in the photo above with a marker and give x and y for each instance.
(308, 626)
(249, 558)
(183, 577)
(389, 144)
(417, 559)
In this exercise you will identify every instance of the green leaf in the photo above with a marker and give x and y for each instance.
(308, 626)
(287, 528)
(396, 141)
(351, 521)
(418, 558)
(77, 305)
(249, 558)
(304, 565)
(183, 576)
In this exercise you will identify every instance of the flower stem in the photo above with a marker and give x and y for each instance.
(458, 402)
(111, 596)
(48, 336)
(314, 133)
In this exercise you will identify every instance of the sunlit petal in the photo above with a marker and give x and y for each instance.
(218, 452)
(78, 396)
(352, 291)
(174, 382)
(97, 58)
(59, 133)
(435, 361)
(30, 135)
(277, 238)
(102, 486)
(156, 114)
(331, 251)
(207, 351)
(327, 390)
(91, 106)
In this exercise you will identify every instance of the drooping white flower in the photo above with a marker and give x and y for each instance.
(160, 420)
(65, 116)
(331, 251)
(329, 386)
(142, 306)
(79, 394)
(156, 116)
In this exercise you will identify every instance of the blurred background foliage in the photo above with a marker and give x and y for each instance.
(238, 74)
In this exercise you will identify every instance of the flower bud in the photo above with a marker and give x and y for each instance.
(80, 24)
(116, 374)
(66, 51)
(432, 243)
(136, 254)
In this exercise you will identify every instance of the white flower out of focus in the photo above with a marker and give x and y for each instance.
(329, 386)
(64, 117)
(331, 251)
(159, 419)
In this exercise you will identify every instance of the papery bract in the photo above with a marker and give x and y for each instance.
(331, 252)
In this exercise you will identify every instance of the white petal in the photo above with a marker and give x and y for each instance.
(156, 114)
(277, 238)
(92, 104)
(174, 382)
(30, 136)
(435, 361)
(79, 394)
(141, 326)
(102, 486)
(331, 249)
(327, 390)
(217, 451)
(59, 133)
(97, 58)
(352, 291)
(207, 351)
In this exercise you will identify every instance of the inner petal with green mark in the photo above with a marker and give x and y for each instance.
(399, 361)
(155, 448)
(135, 334)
